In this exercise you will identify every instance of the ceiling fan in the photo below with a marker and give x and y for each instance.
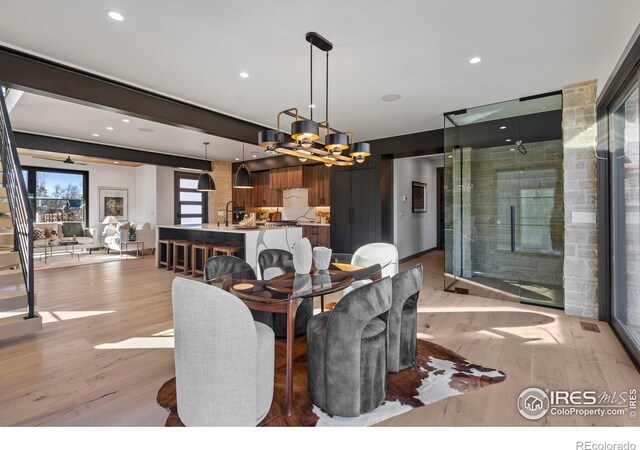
(66, 161)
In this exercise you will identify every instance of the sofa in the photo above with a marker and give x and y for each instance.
(87, 238)
(144, 233)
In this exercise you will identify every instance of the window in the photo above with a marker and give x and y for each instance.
(58, 195)
(191, 205)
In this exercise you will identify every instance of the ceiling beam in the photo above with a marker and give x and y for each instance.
(40, 76)
(69, 147)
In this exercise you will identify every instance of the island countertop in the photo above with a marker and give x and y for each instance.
(221, 228)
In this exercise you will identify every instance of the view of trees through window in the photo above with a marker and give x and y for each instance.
(57, 196)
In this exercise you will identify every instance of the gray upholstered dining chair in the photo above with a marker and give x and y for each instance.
(273, 262)
(224, 359)
(347, 352)
(219, 266)
(403, 318)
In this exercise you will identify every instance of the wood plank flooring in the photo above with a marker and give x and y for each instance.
(105, 350)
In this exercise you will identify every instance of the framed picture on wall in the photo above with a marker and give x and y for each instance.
(418, 197)
(113, 202)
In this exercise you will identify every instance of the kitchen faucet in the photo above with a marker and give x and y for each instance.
(234, 207)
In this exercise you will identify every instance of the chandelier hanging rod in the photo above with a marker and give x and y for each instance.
(293, 112)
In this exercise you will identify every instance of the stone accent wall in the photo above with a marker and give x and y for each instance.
(222, 195)
(580, 196)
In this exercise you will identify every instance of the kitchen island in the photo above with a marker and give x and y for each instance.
(253, 241)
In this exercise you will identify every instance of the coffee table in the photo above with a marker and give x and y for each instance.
(59, 248)
(124, 247)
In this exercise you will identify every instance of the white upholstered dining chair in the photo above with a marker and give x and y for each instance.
(224, 359)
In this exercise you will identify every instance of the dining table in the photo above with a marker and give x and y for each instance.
(281, 290)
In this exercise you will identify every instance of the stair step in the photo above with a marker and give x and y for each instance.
(11, 278)
(5, 222)
(4, 207)
(12, 300)
(9, 259)
(6, 238)
(19, 325)
(3, 192)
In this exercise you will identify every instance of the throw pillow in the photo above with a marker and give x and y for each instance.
(38, 234)
(70, 229)
(47, 232)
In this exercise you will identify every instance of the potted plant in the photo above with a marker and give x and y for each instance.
(132, 233)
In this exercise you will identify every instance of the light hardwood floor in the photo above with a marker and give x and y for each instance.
(105, 349)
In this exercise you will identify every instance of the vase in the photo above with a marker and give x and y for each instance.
(302, 256)
(321, 258)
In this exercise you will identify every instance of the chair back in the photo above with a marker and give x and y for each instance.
(384, 254)
(215, 356)
(274, 262)
(224, 265)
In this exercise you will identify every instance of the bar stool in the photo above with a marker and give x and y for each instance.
(179, 263)
(207, 252)
(229, 250)
(166, 246)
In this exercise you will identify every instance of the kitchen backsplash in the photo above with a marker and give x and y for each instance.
(295, 206)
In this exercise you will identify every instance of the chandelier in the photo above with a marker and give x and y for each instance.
(338, 149)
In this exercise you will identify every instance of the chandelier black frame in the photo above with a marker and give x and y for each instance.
(305, 131)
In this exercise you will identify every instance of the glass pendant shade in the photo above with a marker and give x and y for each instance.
(206, 183)
(242, 180)
(305, 129)
(336, 142)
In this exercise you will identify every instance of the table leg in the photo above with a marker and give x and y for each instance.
(291, 320)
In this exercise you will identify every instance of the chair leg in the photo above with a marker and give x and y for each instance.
(322, 303)
(193, 261)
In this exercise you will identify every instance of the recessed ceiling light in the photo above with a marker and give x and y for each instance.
(503, 127)
(116, 162)
(312, 106)
(254, 156)
(512, 149)
(391, 97)
(450, 156)
(244, 75)
(146, 130)
(115, 15)
(126, 120)
(95, 135)
(507, 140)
(475, 60)
(237, 159)
(110, 128)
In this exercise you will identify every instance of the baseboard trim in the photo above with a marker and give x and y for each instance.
(417, 255)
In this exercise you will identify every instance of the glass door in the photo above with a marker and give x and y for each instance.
(625, 214)
(190, 204)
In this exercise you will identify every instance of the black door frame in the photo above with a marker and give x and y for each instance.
(177, 176)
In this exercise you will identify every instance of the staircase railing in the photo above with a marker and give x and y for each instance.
(19, 205)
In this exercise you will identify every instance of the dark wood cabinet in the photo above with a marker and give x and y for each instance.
(243, 197)
(286, 178)
(355, 208)
(263, 195)
(317, 181)
(319, 236)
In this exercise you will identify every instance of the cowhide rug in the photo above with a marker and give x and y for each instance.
(438, 373)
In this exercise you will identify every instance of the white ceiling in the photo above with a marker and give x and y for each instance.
(43, 115)
(419, 49)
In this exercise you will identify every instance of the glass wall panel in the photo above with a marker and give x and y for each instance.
(504, 230)
(625, 226)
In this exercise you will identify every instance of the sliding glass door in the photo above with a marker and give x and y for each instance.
(624, 139)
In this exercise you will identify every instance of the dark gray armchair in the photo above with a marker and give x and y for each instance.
(274, 262)
(403, 318)
(219, 266)
(347, 352)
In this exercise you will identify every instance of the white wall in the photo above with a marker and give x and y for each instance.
(414, 232)
(146, 187)
(164, 196)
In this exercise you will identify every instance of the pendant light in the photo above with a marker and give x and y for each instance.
(304, 131)
(242, 180)
(205, 180)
